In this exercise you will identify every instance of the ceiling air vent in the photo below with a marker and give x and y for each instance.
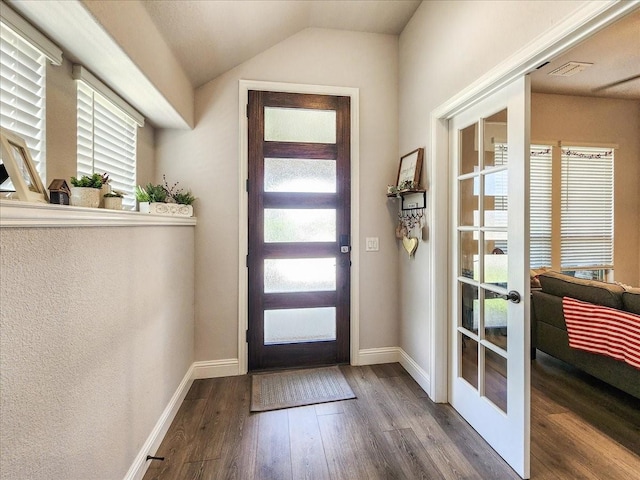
(569, 69)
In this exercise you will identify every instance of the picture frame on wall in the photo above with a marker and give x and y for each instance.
(409, 170)
(18, 163)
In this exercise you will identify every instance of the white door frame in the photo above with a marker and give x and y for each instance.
(583, 23)
(243, 233)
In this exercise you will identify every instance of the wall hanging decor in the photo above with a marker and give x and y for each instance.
(413, 199)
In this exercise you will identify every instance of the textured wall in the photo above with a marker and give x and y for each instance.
(445, 47)
(606, 121)
(207, 159)
(96, 334)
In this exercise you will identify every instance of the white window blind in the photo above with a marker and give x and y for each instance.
(587, 208)
(22, 93)
(107, 140)
(540, 206)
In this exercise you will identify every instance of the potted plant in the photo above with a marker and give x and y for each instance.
(85, 191)
(165, 200)
(113, 200)
(106, 188)
(151, 199)
(180, 197)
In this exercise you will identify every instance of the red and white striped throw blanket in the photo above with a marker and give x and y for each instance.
(603, 330)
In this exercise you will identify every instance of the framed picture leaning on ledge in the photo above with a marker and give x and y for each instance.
(17, 161)
(409, 170)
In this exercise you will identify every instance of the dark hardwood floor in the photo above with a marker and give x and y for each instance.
(580, 429)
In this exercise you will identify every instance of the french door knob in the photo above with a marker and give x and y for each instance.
(512, 296)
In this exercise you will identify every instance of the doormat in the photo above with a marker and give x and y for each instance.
(295, 388)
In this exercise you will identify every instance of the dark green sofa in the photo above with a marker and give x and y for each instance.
(549, 331)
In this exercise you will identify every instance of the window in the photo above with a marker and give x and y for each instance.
(22, 91)
(23, 55)
(107, 135)
(582, 242)
(540, 206)
(587, 208)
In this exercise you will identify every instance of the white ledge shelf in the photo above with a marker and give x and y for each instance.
(14, 213)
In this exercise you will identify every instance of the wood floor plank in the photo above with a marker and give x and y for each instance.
(413, 460)
(379, 402)
(199, 470)
(609, 461)
(308, 460)
(384, 370)
(340, 449)
(595, 402)
(200, 388)
(329, 408)
(448, 459)
(216, 419)
(273, 459)
(372, 449)
(238, 457)
(485, 461)
(540, 470)
(177, 442)
(558, 457)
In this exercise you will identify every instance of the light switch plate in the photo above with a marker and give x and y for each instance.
(371, 244)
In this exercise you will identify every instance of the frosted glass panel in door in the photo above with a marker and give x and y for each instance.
(299, 225)
(299, 125)
(299, 175)
(299, 275)
(298, 325)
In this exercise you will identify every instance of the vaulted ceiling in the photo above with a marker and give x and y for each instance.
(211, 37)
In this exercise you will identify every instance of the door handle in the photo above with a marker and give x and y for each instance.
(512, 295)
(345, 246)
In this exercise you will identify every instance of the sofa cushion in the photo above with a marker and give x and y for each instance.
(631, 300)
(599, 293)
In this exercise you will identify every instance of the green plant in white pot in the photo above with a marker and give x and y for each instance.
(164, 200)
(113, 200)
(150, 198)
(85, 191)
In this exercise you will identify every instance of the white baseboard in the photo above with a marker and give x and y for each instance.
(227, 367)
(373, 356)
(417, 373)
(140, 464)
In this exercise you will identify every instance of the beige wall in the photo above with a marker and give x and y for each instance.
(96, 327)
(445, 47)
(605, 121)
(207, 160)
(96, 334)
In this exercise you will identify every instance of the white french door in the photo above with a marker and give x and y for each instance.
(489, 341)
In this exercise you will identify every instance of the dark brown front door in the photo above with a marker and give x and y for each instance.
(299, 229)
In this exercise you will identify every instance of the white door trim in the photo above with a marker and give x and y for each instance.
(243, 233)
(583, 23)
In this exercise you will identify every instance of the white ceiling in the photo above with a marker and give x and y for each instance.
(210, 37)
(615, 54)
